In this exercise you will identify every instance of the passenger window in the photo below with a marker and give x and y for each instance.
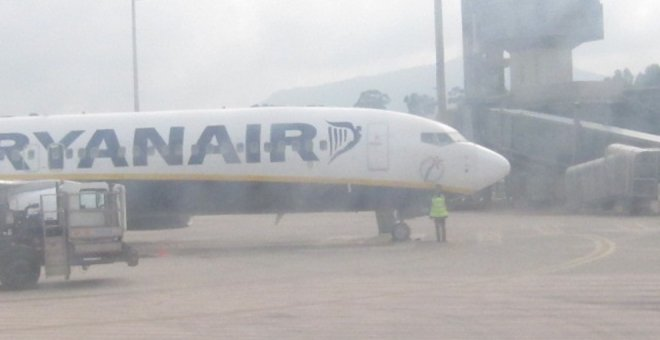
(240, 147)
(15, 156)
(437, 139)
(94, 152)
(137, 152)
(295, 145)
(253, 147)
(308, 146)
(224, 148)
(281, 146)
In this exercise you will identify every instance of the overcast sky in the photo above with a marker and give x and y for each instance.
(75, 55)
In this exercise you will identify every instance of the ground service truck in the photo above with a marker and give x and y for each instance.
(57, 225)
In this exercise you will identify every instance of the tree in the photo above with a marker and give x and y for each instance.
(639, 107)
(420, 104)
(456, 96)
(650, 77)
(628, 77)
(373, 99)
(623, 76)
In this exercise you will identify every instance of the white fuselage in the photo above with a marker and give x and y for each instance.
(280, 145)
(289, 145)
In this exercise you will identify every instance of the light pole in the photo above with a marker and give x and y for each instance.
(442, 114)
(136, 93)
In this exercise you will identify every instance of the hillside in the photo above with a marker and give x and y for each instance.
(396, 84)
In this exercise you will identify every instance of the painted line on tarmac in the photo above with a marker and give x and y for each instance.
(550, 230)
(642, 228)
(603, 248)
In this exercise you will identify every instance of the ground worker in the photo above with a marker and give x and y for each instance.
(439, 214)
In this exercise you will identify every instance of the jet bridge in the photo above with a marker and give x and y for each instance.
(626, 177)
(541, 147)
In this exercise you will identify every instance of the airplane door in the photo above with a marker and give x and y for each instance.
(31, 157)
(378, 148)
(56, 156)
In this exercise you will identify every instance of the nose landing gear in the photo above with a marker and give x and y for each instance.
(389, 223)
(400, 232)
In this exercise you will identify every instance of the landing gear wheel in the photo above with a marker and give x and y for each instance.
(20, 268)
(401, 232)
(131, 255)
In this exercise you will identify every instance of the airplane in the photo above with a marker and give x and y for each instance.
(177, 164)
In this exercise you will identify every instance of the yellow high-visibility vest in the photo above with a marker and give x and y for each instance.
(438, 207)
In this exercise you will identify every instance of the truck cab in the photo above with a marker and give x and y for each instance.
(60, 224)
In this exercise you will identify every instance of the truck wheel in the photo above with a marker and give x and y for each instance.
(401, 232)
(130, 255)
(20, 268)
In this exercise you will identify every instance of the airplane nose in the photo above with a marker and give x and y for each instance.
(499, 165)
(492, 166)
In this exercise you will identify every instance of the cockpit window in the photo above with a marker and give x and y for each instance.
(436, 138)
(457, 137)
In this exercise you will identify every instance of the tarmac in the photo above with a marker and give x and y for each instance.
(501, 275)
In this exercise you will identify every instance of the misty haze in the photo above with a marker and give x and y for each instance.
(452, 169)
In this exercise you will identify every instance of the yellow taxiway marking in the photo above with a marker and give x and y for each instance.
(602, 248)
